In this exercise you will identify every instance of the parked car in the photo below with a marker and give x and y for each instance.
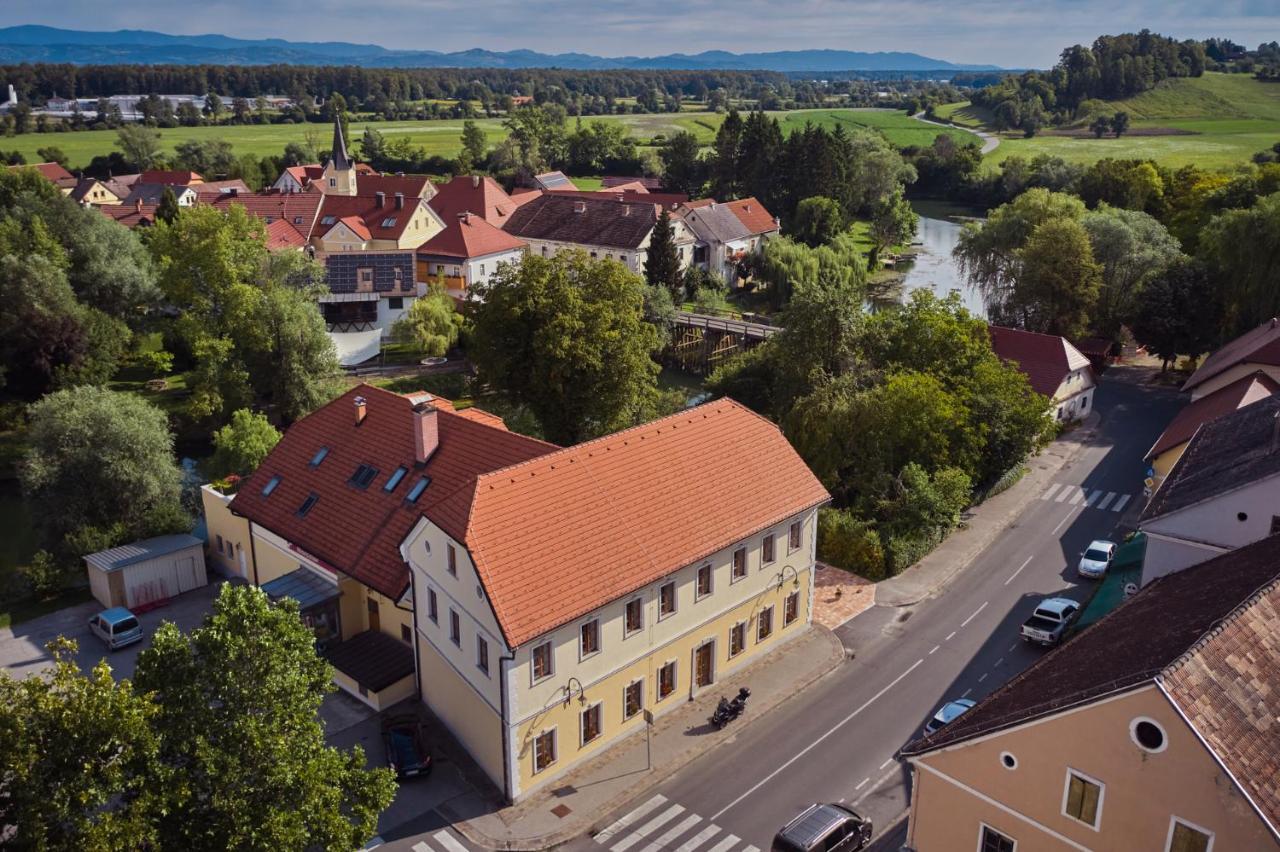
(405, 739)
(1095, 561)
(1049, 623)
(116, 627)
(824, 828)
(947, 714)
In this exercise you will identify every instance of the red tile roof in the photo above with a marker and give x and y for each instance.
(652, 184)
(753, 214)
(643, 196)
(585, 221)
(171, 177)
(281, 234)
(1237, 395)
(568, 531)
(365, 209)
(1259, 346)
(52, 172)
(473, 194)
(300, 209)
(356, 531)
(470, 236)
(411, 186)
(130, 215)
(1046, 359)
(356, 225)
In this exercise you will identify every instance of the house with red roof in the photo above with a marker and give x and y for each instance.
(136, 215)
(543, 602)
(55, 174)
(1258, 349)
(1055, 368)
(482, 196)
(728, 234)
(466, 253)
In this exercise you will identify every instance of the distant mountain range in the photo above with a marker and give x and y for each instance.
(49, 44)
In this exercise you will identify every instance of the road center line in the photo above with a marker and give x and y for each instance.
(935, 647)
(965, 623)
(1019, 571)
(982, 677)
(950, 636)
(886, 763)
(966, 693)
(811, 746)
(883, 778)
(864, 782)
(1069, 516)
(999, 661)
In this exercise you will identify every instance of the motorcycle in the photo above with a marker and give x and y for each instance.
(729, 709)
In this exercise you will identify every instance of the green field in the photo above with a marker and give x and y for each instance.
(1219, 121)
(964, 114)
(443, 137)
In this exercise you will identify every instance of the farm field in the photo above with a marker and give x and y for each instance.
(443, 137)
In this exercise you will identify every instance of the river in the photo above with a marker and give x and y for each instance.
(933, 268)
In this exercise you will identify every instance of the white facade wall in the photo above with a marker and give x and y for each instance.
(1226, 377)
(1074, 397)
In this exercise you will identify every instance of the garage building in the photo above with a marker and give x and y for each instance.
(147, 572)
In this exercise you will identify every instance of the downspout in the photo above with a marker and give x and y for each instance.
(253, 554)
(413, 601)
(506, 729)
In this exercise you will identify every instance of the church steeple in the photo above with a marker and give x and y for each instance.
(339, 173)
(340, 159)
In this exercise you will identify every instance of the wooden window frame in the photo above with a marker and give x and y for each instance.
(768, 549)
(433, 606)
(983, 828)
(638, 683)
(761, 621)
(795, 536)
(1175, 820)
(627, 629)
(790, 609)
(598, 709)
(740, 564)
(675, 679)
(451, 554)
(533, 662)
(482, 654)
(698, 593)
(455, 627)
(583, 653)
(1066, 797)
(542, 767)
(671, 584)
(739, 629)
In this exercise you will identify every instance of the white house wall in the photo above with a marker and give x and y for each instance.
(1233, 374)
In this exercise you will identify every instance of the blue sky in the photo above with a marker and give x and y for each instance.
(1011, 33)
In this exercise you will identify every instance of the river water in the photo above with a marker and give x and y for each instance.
(933, 268)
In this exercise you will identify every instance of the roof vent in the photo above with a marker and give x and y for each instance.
(579, 207)
(399, 200)
(380, 198)
(626, 210)
(475, 180)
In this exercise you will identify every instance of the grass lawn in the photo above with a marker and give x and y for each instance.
(963, 113)
(443, 136)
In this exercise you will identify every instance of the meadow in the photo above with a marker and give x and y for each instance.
(443, 137)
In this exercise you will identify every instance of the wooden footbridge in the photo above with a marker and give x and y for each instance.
(701, 342)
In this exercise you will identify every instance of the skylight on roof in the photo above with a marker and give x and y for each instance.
(396, 476)
(389, 222)
(271, 485)
(363, 476)
(319, 456)
(307, 504)
(418, 488)
(328, 220)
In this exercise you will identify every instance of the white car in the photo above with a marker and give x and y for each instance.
(949, 712)
(1095, 561)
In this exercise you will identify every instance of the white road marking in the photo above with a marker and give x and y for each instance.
(1014, 645)
(446, 840)
(1093, 498)
(422, 847)
(999, 661)
(751, 849)
(1106, 501)
(1062, 523)
(883, 778)
(935, 647)
(811, 746)
(635, 816)
(724, 845)
(950, 636)
(965, 623)
(864, 782)
(648, 828)
(982, 677)
(1076, 497)
(662, 840)
(966, 693)
(1019, 571)
(1048, 492)
(886, 763)
(372, 844)
(1063, 494)
(698, 839)
(1124, 498)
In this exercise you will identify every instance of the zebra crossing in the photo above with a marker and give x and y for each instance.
(638, 830)
(444, 841)
(1087, 498)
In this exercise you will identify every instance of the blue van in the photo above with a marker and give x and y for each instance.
(116, 627)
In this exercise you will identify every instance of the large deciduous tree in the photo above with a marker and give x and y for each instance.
(1242, 250)
(241, 445)
(1057, 286)
(140, 145)
(1178, 312)
(432, 323)
(683, 169)
(567, 337)
(893, 222)
(817, 221)
(1131, 247)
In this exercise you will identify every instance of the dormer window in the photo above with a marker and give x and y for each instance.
(319, 456)
(271, 485)
(363, 476)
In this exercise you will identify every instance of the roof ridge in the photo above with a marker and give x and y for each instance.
(1218, 626)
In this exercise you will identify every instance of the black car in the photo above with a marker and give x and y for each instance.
(824, 828)
(405, 739)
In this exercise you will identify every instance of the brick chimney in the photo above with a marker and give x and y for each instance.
(426, 429)
(399, 200)
(464, 217)
(137, 205)
(361, 409)
(475, 180)
(380, 198)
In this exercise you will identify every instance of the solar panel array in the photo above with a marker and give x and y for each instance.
(344, 271)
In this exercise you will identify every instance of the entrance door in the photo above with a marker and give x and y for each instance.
(375, 622)
(186, 579)
(703, 664)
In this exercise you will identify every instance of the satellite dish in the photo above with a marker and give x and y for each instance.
(1130, 589)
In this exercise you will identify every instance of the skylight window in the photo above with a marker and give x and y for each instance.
(389, 222)
(308, 504)
(363, 476)
(319, 456)
(396, 476)
(418, 488)
(271, 485)
(328, 220)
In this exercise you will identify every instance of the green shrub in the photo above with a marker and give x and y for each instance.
(44, 574)
(906, 550)
(850, 543)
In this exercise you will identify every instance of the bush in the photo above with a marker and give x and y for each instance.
(906, 550)
(850, 543)
(158, 363)
(45, 575)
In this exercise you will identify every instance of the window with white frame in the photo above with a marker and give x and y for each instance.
(739, 564)
(793, 537)
(632, 698)
(544, 750)
(791, 609)
(766, 550)
(591, 723)
(542, 667)
(990, 840)
(1082, 798)
(1188, 837)
(666, 599)
(455, 628)
(589, 638)
(633, 617)
(666, 680)
(482, 654)
(433, 606)
(764, 624)
(737, 638)
(704, 583)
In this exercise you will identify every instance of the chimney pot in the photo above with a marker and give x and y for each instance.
(399, 200)
(465, 217)
(380, 198)
(579, 207)
(426, 431)
(361, 409)
(475, 180)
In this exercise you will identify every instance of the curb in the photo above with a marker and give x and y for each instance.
(836, 655)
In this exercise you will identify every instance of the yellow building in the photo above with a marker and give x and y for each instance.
(1156, 729)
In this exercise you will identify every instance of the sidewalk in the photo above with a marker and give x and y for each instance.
(583, 799)
(986, 522)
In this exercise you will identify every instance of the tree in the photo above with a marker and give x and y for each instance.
(1131, 247)
(432, 323)
(52, 154)
(209, 157)
(1057, 286)
(726, 180)
(474, 143)
(1100, 126)
(893, 222)
(1177, 313)
(78, 758)
(1240, 248)
(683, 169)
(817, 221)
(99, 460)
(167, 210)
(566, 337)
(239, 734)
(1132, 184)
(241, 445)
(786, 265)
(293, 364)
(140, 145)
(1120, 123)
(662, 263)
(213, 106)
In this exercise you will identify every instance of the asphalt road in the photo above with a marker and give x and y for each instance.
(839, 743)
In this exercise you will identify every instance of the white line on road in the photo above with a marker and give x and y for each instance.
(698, 839)
(661, 841)
(422, 847)
(982, 677)
(635, 816)
(1064, 494)
(1019, 571)
(950, 636)
(1124, 498)
(966, 693)
(1093, 498)
(864, 782)
(751, 849)
(446, 840)
(724, 845)
(1076, 497)
(883, 778)
(999, 661)
(649, 827)
(1061, 523)
(811, 746)
(1014, 645)
(372, 844)
(965, 623)
(935, 647)
(1106, 501)
(1048, 492)
(886, 763)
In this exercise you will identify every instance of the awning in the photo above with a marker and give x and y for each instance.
(304, 586)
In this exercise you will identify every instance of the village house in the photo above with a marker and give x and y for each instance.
(55, 174)
(1258, 349)
(1055, 368)
(95, 193)
(482, 196)
(301, 178)
(727, 233)
(1158, 728)
(1223, 492)
(414, 530)
(466, 253)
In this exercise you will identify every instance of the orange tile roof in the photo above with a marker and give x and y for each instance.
(171, 178)
(282, 234)
(567, 532)
(470, 236)
(356, 225)
(52, 172)
(754, 216)
(482, 196)
(130, 215)
(300, 209)
(365, 209)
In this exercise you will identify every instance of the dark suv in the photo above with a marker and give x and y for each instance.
(824, 828)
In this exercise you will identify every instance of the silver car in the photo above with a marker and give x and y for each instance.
(116, 627)
(1095, 561)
